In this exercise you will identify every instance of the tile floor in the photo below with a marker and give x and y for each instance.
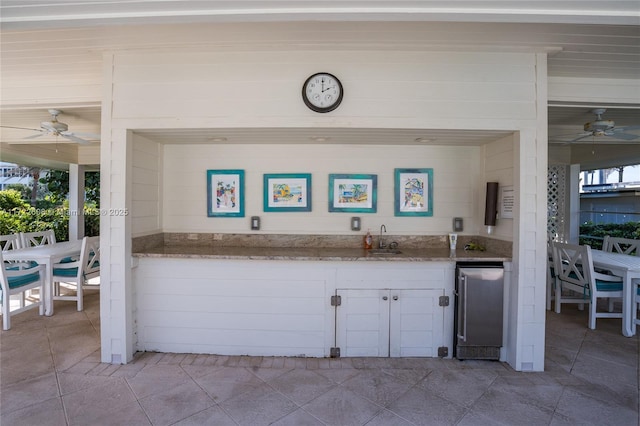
(50, 374)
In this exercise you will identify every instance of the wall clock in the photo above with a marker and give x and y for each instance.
(322, 92)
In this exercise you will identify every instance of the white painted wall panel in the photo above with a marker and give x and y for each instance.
(499, 167)
(236, 308)
(390, 89)
(273, 308)
(195, 89)
(146, 186)
(456, 176)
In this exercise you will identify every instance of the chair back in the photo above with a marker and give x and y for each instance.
(9, 242)
(90, 257)
(573, 265)
(18, 278)
(621, 245)
(40, 238)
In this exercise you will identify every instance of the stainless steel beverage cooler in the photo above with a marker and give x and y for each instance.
(478, 319)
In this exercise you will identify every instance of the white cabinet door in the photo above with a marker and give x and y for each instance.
(383, 322)
(362, 323)
(416, 323)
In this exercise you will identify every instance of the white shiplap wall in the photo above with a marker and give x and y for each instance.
(385, 89)
(456, 172)
(498, 166)
(390, 89)
(146, 213)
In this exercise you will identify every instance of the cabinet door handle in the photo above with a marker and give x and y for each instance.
(385, 298)
(395, 297)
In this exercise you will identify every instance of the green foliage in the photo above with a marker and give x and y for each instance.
(24, 190)
(31, 219)
(11, 199)
(593, 234)
(57, 182)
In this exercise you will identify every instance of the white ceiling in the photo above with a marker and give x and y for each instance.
(39, 13)
(45, 44)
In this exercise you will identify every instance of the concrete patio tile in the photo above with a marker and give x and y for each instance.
(590, 377)
(423, 407)
(298, 418)
(156, 378)
(175, 403)
(28, 392)
(503, 406)
(382, 389)
(301, 385)
(341, 406)
(130, 414)
(582, 409)
(47, 413)
(84, 405)
(72, 382)
(259, 406)
(387, 418)
(464, 387)
(210, 416)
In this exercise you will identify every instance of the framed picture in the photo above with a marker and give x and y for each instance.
(353, 193)
(413, 194)
(287, 192)
(225, 193)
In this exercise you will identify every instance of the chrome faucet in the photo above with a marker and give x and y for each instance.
(381, 243)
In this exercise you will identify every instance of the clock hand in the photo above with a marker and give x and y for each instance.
(328, 88)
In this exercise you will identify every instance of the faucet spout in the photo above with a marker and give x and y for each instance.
(381, 243)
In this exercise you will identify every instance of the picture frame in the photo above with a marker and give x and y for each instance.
(225, 193)
(287, 192)
(413, 192)
(354, 193)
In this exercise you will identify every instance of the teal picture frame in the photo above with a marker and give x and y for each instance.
(353, 193)
(225, 193)
(413, 192)
(287, 192)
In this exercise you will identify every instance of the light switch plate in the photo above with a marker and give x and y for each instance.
(356, 223)
(458, 224)
(255, 223)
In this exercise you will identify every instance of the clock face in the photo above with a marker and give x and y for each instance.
(322, 92)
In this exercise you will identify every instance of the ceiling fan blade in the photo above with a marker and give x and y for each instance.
(22, 128)
(624, 136)
(625, 128)
(90, 136)
(48, 126)
(579, 138)
(35, 136)
(74, 138)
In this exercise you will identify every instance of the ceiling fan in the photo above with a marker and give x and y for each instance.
(54, 127)
(601, 127)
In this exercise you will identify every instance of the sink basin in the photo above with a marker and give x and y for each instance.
(383, 252)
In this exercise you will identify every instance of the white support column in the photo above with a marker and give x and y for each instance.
(572, 222)
(76, 201)
(116, 293)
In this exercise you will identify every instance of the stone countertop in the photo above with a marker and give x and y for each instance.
(314, 254)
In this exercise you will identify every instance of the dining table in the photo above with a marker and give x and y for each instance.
(627, 267)
(48, 255)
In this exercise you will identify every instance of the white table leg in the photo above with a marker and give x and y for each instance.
(628, 325)
(48, 289)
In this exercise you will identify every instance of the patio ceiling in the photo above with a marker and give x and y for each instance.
(48, 44)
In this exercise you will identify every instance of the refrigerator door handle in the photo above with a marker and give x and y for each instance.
(463, 336)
